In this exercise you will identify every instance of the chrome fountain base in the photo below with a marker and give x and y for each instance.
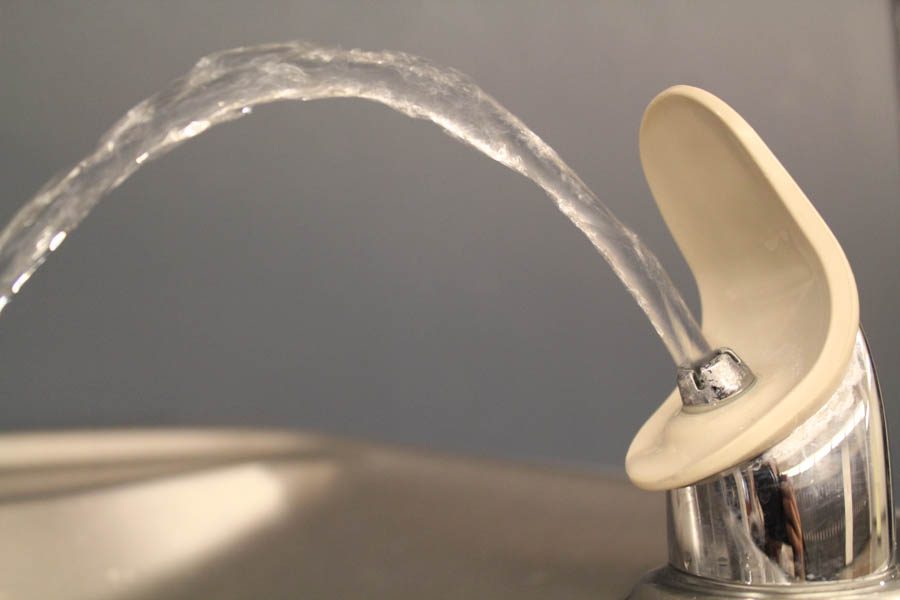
(669, 584)
(811, 517)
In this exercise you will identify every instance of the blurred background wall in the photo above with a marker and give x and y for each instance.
(335, 266)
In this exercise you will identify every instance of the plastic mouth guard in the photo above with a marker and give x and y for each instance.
(774, 286)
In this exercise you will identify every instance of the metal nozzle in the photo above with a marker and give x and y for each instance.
(717, 378)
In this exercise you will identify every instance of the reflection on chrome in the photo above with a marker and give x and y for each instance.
(814, 508)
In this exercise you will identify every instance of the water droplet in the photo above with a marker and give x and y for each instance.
(56, 240)
(195, 128)
(18, 283)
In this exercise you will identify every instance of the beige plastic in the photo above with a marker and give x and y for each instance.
(774, 286)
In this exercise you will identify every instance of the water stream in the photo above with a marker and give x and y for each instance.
(227, 85)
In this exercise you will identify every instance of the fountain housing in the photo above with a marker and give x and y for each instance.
(782, 486)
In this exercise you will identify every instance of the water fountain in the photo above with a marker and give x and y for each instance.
(771, 449)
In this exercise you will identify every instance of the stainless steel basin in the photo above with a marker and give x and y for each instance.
(249, 514)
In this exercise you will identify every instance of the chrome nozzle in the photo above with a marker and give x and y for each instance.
(717, 378)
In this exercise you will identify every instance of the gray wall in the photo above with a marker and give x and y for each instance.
(335, 266)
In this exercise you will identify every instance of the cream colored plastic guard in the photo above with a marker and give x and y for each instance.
(774, 285)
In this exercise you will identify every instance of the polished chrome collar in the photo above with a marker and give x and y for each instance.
(816, 507)
(811, 517)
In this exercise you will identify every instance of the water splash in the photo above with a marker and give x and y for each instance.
(226, 85)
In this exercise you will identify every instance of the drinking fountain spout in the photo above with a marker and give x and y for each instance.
(784, 485)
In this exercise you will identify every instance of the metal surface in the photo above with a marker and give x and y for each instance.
(714, 380)
(236, 515)
(669, 584)
(814, 508)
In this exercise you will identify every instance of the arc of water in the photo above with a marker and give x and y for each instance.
(226, 85)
